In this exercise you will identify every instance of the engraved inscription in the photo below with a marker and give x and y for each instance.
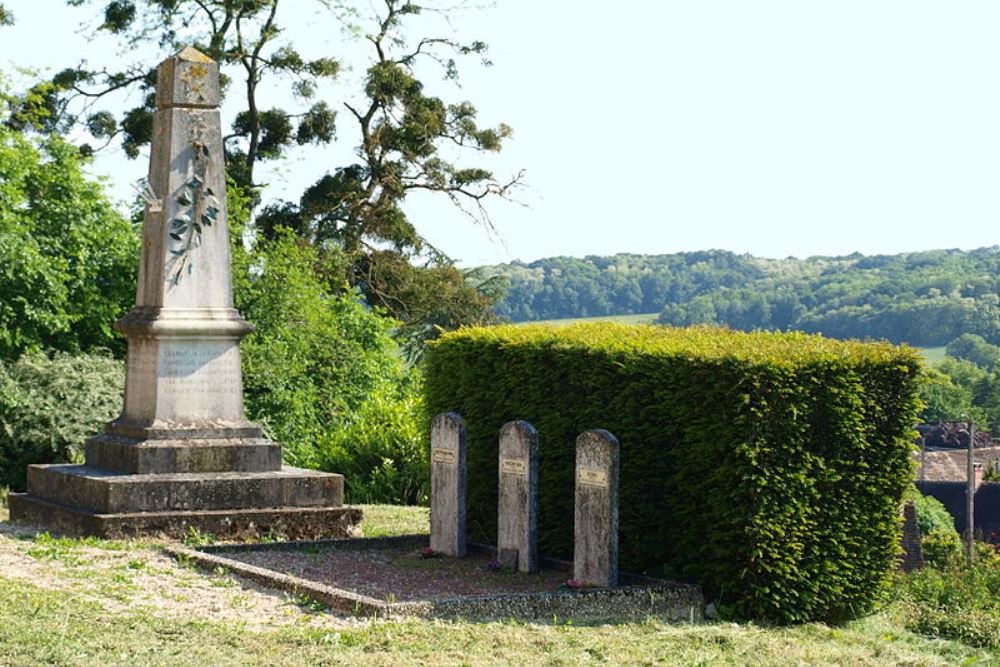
(514, 466)
(445, 456)
(204, 370)
(592, 477)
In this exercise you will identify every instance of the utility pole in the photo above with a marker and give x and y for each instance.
(923, 457)
(970, 497)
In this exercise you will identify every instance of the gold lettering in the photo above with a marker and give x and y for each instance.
(445, 456)
(592, 477)
(514, 466)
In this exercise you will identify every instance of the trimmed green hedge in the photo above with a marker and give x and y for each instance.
(767, 467)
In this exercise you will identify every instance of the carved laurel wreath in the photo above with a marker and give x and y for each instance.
(197, 208)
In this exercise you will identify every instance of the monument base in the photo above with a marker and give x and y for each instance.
(85, 500)
(292, 523)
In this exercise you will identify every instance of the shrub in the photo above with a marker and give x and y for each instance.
(941, 546)
(955, 602)
(379, 449)
(316, 359)
(932, 515)
(939, 539)
(766, 467)
(49, 405)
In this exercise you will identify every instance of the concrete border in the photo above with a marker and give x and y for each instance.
(640, 597)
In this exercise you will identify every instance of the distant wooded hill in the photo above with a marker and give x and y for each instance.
(924, 298)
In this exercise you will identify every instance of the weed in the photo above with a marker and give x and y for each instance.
(221, 579)
(196, 538)
(953, 601)
(270, 537)
(306, 602)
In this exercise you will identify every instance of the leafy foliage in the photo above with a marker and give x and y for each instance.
(406, 138)
(964, 385)
(244, 37)
(941, 546)
(954, 435)
(67, 257)
(923, 298)
(767, 467)
(932, 515)
(986, 398)
(379, 448)
(973, 348)
(953, 601)
(944, 400)
(315, 359)
(50, 404)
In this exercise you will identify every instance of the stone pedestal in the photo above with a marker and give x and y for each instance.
(182, 454)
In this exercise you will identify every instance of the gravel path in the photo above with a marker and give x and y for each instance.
(400, 573)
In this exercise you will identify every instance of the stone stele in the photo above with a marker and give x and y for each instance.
(517, 496)
(449, 447)
(182, 454)
(595, 544)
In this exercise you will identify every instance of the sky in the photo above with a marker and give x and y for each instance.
(772, 127)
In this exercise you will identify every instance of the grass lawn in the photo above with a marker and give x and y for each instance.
(932, 354)
(87, 602)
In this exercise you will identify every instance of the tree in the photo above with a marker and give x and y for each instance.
(963, 373)
(67, 257)
(242, 35)
(956, 387)
(400, 130)
(986, 397)
(315, 357)
(971, 347)
(944, 400)
(926, 298)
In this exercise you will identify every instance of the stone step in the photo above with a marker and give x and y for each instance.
(139, 457)
(126, 429)
(291, 523)
(108, 492)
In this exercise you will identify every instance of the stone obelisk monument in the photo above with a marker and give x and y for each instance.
(182, 454)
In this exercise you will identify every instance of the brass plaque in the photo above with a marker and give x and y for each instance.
(445, 456)
(592, 477)
(514, 466)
